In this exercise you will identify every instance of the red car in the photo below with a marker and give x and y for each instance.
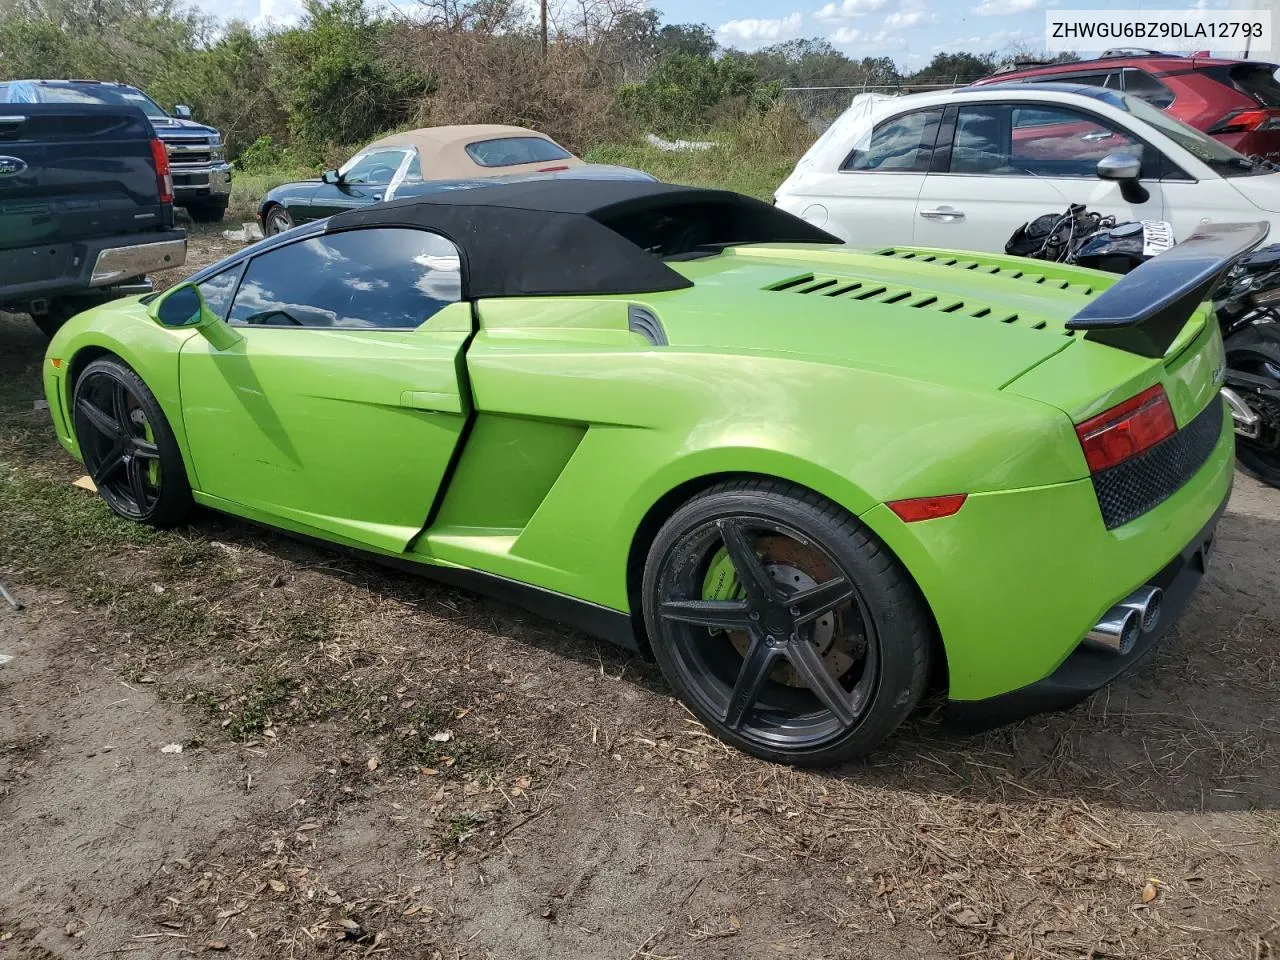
(1237, 101)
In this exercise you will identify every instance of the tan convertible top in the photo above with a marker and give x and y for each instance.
(443, 150)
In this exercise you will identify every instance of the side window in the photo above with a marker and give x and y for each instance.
(383, 278)
(1142, 84)
(217, 290)
(1062, 142)
(375, 168)
(902, 144)
(981, 141)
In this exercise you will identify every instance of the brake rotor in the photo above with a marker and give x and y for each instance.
(798, 568)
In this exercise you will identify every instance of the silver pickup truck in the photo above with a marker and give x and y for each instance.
(201, 174)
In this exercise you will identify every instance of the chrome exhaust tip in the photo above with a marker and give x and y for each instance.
(1247, 423)
(1148, 602)
(1117, 632)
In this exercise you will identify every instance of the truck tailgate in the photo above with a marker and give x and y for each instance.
(73, 172)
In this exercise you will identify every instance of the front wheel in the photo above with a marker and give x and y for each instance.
(128, 447)
(1256, 351)
(277, 220)
(784, 624)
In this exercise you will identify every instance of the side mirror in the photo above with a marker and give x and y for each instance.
(1124, 168)
(181, 306)
(182, 112)
(1119, 166)
(331, 176)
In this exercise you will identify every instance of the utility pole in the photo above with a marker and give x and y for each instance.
(543, 7)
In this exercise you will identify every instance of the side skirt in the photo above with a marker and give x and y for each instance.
(605, 623)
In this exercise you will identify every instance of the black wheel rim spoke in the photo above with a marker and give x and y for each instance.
(716, 614)
(756, 667)
(809, 605)
(145, 450)
(103, 422)
(138, 482)
(107, 467)
(808, 664)
(752, 575)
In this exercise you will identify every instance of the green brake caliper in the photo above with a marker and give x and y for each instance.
(721, 581)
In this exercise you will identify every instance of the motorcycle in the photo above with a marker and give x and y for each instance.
(1246, 303)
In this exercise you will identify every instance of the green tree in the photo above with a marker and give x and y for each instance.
(683, 92)
(337, 88)
(955, 68)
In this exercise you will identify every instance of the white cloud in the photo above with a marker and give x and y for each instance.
(754, 31)
(987, 41)
(848, 9)
(880, 42)
(278, 13)
(1004, 8)
(915, 18)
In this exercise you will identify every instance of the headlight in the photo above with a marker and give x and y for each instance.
(215, 140)
(216, 154)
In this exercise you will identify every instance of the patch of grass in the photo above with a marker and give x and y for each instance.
(265, 702)
(248, 189)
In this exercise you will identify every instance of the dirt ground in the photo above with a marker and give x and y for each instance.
(374, 765)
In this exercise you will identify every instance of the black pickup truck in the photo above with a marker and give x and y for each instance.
(86, 208)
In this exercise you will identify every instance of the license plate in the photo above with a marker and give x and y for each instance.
(1157, 237)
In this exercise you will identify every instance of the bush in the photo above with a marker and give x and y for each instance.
(684, 93)
(338, 87)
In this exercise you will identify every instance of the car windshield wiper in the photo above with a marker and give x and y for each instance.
(1235, 163)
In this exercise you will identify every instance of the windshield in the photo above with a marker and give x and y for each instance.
(100, 93)
(1225, 161)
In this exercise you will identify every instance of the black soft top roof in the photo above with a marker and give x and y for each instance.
(565, 237)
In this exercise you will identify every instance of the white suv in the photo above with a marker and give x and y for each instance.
(964, 168)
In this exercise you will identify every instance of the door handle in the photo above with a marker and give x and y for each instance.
(946, 214)
(1094, 137)
(377, 197)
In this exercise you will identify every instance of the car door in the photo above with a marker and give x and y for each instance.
(364, 179)
(1002, 164)
(338, 407)
(869, 199)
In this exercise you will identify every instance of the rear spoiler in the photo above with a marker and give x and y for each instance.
(1144, 312)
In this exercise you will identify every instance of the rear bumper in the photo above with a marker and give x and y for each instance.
(88, 266)
(1086, 670)
(115, 264)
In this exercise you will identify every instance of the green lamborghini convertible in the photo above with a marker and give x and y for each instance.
(809, 480)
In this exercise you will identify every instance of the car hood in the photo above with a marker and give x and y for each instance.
(171, 126)
(960, 319)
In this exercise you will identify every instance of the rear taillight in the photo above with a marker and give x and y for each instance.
(164, 179)
(1247, 121)
(1127, 429)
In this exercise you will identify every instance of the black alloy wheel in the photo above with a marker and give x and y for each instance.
(784, 625)
(127, 445)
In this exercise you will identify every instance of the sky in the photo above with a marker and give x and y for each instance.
(908, 31)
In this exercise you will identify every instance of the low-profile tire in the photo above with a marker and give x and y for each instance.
(276, 220)
(207, 212)
(784, 624)
(128, 446)
(1256, 351)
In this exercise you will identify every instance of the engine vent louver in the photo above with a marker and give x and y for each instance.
(641, 321)
(991, 269)
(903, 297)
